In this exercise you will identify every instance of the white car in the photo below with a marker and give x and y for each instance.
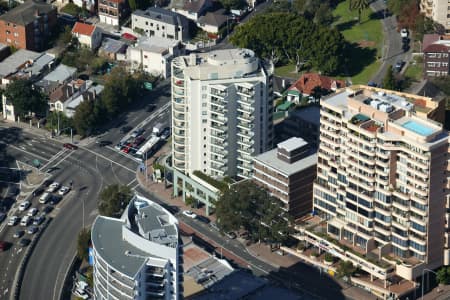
(189, 214)
(64, 190)
(13, 220)
(404, 33)
(53, 187)
(32, 212)
(24, 205)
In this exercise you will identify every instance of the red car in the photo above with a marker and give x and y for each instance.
(4, 246)
(129, 37)
(70, 146)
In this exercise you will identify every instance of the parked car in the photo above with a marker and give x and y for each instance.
(32, 212)
(45, 197)
(38, 220)
(70, 146)
(372, 84)
(231, 235)
(137, 132)
(189, 214)
(47, 210)
(24, 242)
(139, 140)
(32, 229)
(2, 217)
(38, 191)
(125, 129)
(53, 187)
(64, 190)
(47, 183)
(18, 234)
(25, 221)
(151, 107)
(203, 219)
(24, 205)
(13, 220)
(165, 134)
(405, 47)
(55, 200)
(399, 65)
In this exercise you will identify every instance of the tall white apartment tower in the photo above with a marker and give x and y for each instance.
(222, 110)
(438, 10)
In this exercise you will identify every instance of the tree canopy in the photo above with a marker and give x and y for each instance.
(84, 237)
(443, 275)
(113, 199)
(25, 98)
(389, 81)
(359, 5)
(247, 206)
(287, 37)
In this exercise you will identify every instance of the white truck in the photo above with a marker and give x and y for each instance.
(157, 129)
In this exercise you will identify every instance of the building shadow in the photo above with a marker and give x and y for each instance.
(357, 58)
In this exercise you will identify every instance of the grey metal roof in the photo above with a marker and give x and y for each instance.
(162, 15)
(25, 13)
(292, 144)
(270, 159)
(109, 244)
(40, 63)
(113, 46)
(61, 73)
(210, 271)
(10, 64)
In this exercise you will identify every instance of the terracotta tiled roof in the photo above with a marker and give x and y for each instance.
(83, 29)
(437, 48)
(62, 93)
(308, 81)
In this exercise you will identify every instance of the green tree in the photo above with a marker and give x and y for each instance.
(324, 15)
(132, 4)
(307, 8)
(345, 269)
(113, 200)
(55, 117)
(84, 237)
(190, 201)
(25, 98)
(84, 119)
(443, 275)
(359, 5)
(71, 9)
(233, 4)
(389, 81)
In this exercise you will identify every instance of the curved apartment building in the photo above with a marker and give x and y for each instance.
(221, 112)
(136, 256)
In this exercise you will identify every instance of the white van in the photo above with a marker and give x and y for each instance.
(25, 221)
(44, 198)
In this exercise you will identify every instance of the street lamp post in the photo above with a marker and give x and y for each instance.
(423, 273)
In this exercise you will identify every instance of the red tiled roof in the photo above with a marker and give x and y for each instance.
(307, 82)
(83, 29)
(437, 48)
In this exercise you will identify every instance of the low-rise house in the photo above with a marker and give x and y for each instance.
(87, 35)
(288, 173)
(113, 49)
(16, 62)
(61, 74)
(113, 12)
(213, 21)
(28, 25)
(67, 97)
(311, 83)
(193, 9)
(159, 22)
(436, 52)
(153, 55)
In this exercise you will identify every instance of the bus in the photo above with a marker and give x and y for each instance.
(147, 149)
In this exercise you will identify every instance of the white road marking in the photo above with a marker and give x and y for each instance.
(110, 160)
(54, 157)
(27, 152)
(131, 182)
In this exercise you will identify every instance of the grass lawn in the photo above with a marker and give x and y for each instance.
(287, 71)
(367, 39)
(414, 72)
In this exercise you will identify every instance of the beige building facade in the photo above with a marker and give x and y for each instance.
(438, 10)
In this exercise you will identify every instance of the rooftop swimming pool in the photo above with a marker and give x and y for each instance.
(418, 128)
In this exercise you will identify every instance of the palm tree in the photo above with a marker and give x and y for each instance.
(360, 5)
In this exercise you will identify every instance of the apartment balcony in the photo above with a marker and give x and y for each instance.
(179, 149)
(177, 74)
(245, 109)
(246, 92)
(245, 126)
(246, 100)
(218, 119)
(219, 152)
(180, 165)
(218, 136)
(220, 94)
(219, 128)
(400, 206)
(177, 91)
(218, 102)
(179, 82)
(179, 140)
(220, 110)
(245, 133)
(245, 166)
(245, 142)
(179, 157)
(178, 109)
(219, 168)
(219, 143)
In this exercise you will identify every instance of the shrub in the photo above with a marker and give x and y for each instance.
(328, 257)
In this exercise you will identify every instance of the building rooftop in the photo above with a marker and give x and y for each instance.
(155, 44)
(126, 244)
(162, 15)
(13, 62)
(292, 144)
(83, 28)
(271, 159)
(310, 114)
(40, 63)
(26, 12)
(214, 19)
(308, 81)
(61, 73)
(210, 271)
(113, 46)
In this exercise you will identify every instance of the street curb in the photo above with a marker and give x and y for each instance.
(66, 276)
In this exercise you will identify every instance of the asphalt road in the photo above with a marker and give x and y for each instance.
(393, 42)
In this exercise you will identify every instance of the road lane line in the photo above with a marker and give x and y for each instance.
(110, 160)
(54, 157)
(27, 152)
(131, 182)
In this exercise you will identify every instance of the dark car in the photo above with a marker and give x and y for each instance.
(203, 219)
(38, 191)
(125, 129)
(165, 134)
(405, 47)
(4, 246)
(372, 84)
(38, 220)
(55, 200)
(399, 66)
(104, 143)
(47, 183)
(47, 209)
(24, 242)
(2, 217)
(70, 146)
(137, 132)
(18, 234)
(151, 107)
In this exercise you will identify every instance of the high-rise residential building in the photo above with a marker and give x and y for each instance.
(380, 192)
(438, 10)
(136, 256)
(222, 110)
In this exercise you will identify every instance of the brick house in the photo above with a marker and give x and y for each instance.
(436, 55)
(112, 12)
(28, 26)
(306, 84)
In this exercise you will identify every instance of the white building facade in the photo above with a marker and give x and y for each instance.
(221, 112)
(438, 10)
(136, 256)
